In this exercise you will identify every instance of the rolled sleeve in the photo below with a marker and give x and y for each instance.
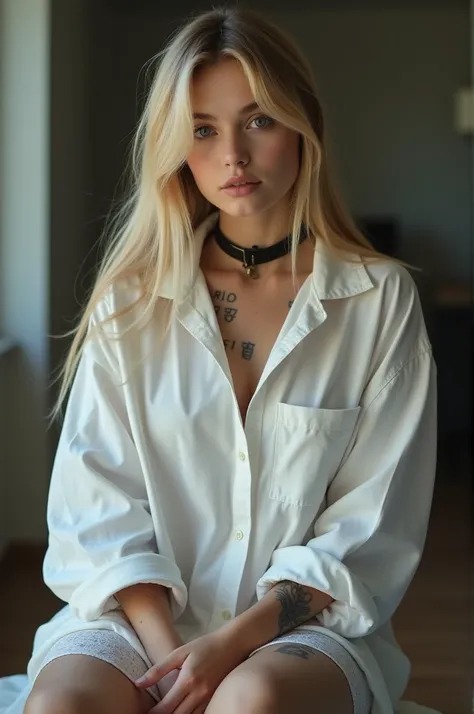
(96, 595)
(369, 540)
(101, 533)
(353, 612)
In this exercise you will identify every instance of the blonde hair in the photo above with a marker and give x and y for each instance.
(152, 233)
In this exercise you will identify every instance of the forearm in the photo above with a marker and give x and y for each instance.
(284, 607)
(148, 608)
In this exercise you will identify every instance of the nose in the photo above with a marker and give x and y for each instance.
(235, 151)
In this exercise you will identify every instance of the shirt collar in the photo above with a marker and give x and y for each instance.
(333, 277)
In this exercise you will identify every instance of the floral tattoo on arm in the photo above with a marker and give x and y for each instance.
(295, 601)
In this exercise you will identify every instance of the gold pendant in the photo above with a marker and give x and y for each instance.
(251, 271)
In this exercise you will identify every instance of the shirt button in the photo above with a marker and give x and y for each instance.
(242, 456)
(238, 535)
(226, 615)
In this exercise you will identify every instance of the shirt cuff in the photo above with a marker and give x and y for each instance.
(96, 596)
(353, 612)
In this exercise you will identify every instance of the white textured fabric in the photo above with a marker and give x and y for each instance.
(328, 482)
(104, 645)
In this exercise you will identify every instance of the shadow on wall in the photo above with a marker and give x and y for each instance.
(447, 307)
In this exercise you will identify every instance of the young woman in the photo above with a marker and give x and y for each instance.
(242, 486)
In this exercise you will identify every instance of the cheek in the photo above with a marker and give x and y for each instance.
(197, 164)
(282, 153)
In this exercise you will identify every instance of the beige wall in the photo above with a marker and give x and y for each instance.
(24, 259)
(42, 237)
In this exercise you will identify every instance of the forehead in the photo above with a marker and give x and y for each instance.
(220, 89)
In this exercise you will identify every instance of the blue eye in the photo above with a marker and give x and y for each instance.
(198, 132)
(266, 119)
(200, 128)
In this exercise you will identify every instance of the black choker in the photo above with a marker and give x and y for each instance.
(255, 256)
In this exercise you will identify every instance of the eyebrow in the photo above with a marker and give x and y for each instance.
(248, 108)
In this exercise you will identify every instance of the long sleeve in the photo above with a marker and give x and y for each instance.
(369, 539)
(101, 534)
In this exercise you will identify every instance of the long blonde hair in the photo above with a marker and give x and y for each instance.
(151, 235)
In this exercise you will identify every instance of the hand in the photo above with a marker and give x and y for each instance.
(203, 664)
(167, 682)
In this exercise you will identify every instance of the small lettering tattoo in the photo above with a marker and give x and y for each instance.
(224, 296)
(230, 313)
(229, 344)
(295, 602)
(247, 350)
(301, 651)
(290, 303)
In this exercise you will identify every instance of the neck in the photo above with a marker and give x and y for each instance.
(263, 229)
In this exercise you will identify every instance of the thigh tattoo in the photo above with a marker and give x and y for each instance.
(301, 651)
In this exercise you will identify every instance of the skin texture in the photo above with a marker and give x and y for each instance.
(233, 144)
(250, 314)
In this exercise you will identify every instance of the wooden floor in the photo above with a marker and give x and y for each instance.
(434, 624)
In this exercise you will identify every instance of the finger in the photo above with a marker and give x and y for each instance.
(172, 700)
(158, 671)
(158, 708)
(200, 710)
(189, 705)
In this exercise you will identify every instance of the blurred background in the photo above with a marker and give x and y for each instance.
(394, 79)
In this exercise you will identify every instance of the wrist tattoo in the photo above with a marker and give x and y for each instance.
(295, 603)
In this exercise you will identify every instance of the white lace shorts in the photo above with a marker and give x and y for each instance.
(114, 649)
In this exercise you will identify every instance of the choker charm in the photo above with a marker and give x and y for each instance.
(254, 256)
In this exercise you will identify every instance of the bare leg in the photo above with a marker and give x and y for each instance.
(284, 679)
(74, 684)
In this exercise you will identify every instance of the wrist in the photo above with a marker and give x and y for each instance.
(250, 630)
(233, 640)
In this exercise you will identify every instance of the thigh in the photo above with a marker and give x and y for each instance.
(76, 683)
(284, 678)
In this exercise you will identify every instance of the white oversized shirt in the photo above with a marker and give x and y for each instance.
(328, 483)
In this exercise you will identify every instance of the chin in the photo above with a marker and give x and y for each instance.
(241, 207)
(239, 211)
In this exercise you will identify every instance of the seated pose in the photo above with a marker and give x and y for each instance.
(242, 486)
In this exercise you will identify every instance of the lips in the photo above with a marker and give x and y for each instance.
(236, 181)
(244, 189)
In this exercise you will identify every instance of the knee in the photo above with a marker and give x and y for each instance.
(245, 693)
(66, 700)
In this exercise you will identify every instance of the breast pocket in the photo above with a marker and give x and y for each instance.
(309, 446)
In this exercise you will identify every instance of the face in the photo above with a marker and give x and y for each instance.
(233, 138)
